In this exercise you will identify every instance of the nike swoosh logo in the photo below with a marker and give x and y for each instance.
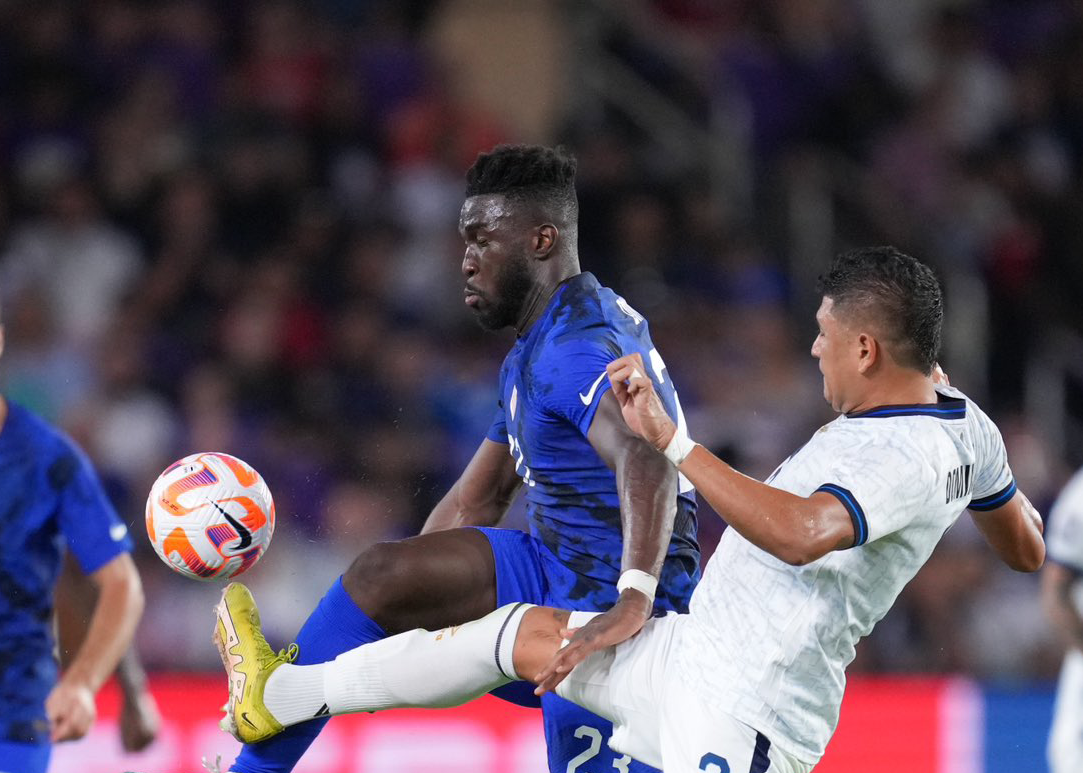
(242, 530)
(244, 716)
(589, 396)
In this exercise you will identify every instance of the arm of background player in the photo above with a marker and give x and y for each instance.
(647, 488)
(794, 529)
(1014, 531)
(75, 599)
(482, 494)
(1057, 583)
(70, 705)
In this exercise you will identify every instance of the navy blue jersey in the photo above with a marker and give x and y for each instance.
(550, 386)
(50, 499)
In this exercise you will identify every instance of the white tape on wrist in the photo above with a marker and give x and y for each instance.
(679, 447)
(643, 582)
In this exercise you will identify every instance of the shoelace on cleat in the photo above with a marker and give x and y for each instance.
(269, 657)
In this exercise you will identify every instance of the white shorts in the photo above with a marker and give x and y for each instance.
(657, 718)
(1066, 735)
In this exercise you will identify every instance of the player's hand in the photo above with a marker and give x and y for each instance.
(139, 720)
(621, 622)
(639, 403)
(70, 709)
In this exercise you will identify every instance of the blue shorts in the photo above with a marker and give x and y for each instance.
(575, 738)
(24, 757)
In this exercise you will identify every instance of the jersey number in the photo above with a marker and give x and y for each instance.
(712, 763)
(595, 736)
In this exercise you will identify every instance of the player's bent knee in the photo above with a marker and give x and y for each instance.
(375, 579)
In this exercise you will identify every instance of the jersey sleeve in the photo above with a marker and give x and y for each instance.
(572, 379)
(1064, 537)
(93, 531)
(994, 483)
(882, 485)
(498, 430)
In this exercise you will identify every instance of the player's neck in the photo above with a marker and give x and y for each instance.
(536, 301)
(906, 388)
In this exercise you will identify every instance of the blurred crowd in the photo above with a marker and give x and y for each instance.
(233, 227)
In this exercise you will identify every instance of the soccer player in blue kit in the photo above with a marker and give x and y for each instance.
(50, 499)
(612, 524)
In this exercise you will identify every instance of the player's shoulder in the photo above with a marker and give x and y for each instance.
(585, 315)
(46, 445)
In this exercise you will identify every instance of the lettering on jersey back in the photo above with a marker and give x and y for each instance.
(958, 483)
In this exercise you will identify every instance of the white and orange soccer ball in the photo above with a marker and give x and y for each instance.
(210, 516)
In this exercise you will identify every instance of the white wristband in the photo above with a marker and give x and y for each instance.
(643, 582)
(679, 447)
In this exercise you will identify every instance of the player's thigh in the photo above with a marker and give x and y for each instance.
(622, 687)
(24, 757)
(430, 581)
(697, 737)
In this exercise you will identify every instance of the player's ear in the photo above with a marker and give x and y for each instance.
(868, 352)
(1, 339)
(545, 239)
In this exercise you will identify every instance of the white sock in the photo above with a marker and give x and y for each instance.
(429, 669)
(295, 693)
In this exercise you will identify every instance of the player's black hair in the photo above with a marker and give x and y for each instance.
(900, 293)
(531, 173)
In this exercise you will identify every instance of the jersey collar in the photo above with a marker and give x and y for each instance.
(945, 407)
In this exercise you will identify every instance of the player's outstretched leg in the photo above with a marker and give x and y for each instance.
(249, 661)
(418, 668)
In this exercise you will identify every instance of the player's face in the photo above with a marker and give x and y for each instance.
(835, 348)
(496, 263)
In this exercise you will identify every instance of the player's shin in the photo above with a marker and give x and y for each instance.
(424, 669)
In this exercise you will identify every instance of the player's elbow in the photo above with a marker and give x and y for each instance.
(805, 542)
(1028, 558)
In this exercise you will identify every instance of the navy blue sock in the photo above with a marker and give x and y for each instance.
(335, 626)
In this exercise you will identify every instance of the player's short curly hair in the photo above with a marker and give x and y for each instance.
(533, 173)
(894, 292)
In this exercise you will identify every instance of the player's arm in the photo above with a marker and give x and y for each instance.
(70, 705)
(1014, 531)
(74, 602)
(647, 488)
(482, 494)
(792, 528)
(1058, 581)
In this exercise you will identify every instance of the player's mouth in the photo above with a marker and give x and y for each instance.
(472, 297)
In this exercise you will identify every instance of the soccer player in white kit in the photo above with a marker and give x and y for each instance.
(1062, 597)
(753, 677)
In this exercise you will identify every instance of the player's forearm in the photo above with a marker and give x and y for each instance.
(647, 486)
(131, 677)
(112, 625)
(793, 529)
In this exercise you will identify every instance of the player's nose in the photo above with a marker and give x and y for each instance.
(470, 265)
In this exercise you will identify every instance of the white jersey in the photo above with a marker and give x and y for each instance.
(767, 642)
(1064, 540)
(1064, 545)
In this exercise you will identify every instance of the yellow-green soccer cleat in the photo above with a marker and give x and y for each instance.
(248, 660)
